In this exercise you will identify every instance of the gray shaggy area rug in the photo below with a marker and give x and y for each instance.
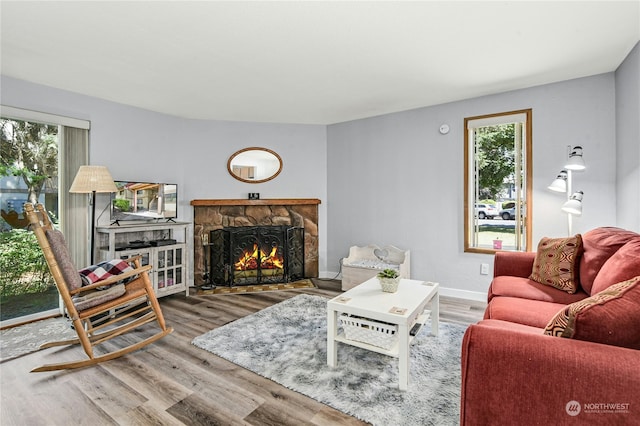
(287, 343)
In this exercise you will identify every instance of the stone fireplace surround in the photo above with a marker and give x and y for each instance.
(209, 215)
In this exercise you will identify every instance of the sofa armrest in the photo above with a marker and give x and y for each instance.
(510, 377)
(513, 263)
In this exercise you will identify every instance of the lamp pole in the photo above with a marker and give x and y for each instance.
(92, 248)
(569, 193)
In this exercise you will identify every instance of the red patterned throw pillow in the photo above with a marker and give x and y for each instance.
(610, 317)
(556, 263)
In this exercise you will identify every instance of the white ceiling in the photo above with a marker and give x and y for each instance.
(307, 61)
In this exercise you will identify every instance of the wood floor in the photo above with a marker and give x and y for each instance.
(172, 382)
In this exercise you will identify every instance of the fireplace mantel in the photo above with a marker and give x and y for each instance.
(263, 202)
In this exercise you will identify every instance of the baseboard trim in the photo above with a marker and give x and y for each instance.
(476, 296)
(330, 275)
(463, 294)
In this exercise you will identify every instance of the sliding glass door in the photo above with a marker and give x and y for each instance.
(28, 173)
(40, 154)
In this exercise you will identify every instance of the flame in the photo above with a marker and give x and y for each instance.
(249, 260)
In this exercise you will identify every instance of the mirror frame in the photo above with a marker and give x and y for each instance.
(254, 148)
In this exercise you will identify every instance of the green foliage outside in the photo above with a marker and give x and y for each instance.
(22, 265)
(122, 205)
(30, 151)
(495, 159)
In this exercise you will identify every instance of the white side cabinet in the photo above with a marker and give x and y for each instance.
(170, 262)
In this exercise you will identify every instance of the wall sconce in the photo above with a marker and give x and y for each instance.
(564, 183)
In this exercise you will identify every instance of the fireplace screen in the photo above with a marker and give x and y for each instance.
(256, 255)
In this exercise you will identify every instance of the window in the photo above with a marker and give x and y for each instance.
(497, 182)
(40, 155)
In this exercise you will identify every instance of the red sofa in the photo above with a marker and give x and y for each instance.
(513, 373)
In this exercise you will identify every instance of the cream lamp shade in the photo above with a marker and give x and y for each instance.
(560, 182)
(574, 205)
(90, 180)
(93, 179)
(575, 161)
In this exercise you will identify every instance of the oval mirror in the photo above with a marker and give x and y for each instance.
(254, 165)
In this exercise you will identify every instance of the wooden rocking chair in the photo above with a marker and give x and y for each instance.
(128, 302)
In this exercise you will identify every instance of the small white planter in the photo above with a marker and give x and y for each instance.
(389, 285)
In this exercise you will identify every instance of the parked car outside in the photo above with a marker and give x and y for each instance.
(486, 211)
(508, 214)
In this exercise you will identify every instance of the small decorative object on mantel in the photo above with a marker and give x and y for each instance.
(389, 280)
(254, 195)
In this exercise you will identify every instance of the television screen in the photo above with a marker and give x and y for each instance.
(144, 201)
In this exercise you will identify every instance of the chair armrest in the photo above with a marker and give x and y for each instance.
(513, 263)
(112, 280)
(509, 376)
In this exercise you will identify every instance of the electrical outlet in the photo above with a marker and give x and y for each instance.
(484, 269)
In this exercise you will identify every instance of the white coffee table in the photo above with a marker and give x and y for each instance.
(404, 308)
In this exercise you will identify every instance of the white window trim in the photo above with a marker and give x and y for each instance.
(43, 117)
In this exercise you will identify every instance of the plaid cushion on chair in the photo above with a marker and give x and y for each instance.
(103, 270)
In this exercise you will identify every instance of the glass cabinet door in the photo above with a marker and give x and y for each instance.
(144, 256)
(169, 258)
(160, 280)
(169, 268)
(170, 281)
(178, 276)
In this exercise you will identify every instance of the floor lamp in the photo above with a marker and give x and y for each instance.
(564, 183)
(90, 180)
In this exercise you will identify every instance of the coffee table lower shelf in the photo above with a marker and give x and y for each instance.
(394, 351)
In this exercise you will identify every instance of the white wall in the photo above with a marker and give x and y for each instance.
(394, 179)
(628, 140)
(136, 144)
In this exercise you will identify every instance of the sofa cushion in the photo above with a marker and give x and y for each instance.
(97, 297)
(533, 313)
(513, 263)
(622, 266)
(610, 317)
(513, 326)
(556, 262)
(63, 259)
(599, 245)
(528, 289)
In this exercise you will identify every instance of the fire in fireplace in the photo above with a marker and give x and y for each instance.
(256, 255)
(256, 258)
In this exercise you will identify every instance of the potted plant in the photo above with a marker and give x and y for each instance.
(389, 280)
